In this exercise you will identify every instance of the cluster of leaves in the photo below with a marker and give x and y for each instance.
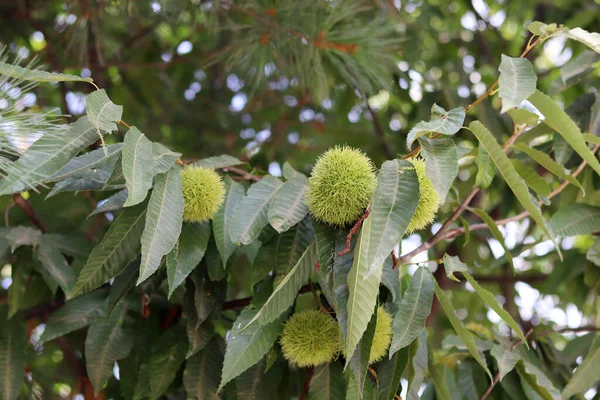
(168, 335)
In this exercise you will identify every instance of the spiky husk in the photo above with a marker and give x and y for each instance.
(429, 201)
(383, 336)
(203, 193)
(310, 338)
(341, 186)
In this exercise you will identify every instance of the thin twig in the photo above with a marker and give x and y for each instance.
(245, 175)
(353, 232)
(29, 211)
(379, 132)
(316, 296)
(6, 214)
(311, 372)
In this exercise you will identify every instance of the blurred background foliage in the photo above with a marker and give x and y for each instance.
(271, 81)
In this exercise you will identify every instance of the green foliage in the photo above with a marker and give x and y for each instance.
(235, 276)
(340, 186)
(310, 338)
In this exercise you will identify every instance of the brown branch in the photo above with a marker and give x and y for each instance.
(379, 132)
(29, 211)
(353, 232)
(6, 214)
(245, 175)
(311, 372)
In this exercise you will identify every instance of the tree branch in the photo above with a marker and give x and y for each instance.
(379, 132)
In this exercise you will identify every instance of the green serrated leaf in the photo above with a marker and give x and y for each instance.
(251, 214)
(417, 366)
(511, 176)
(489, 299)
(363, 288)
(576, 219)
(113, 203)
(107, 341)
(290, 247)
(102, 112)
(221, 223)
(533, 180)
(442, 391)
(591, 138)
(414, 308)
(56, 265)
(36, 75)
(84, 162)
(217, 162)
(208, 295)
(47, 156)
(163, 221)
(136, 159)
(201, 374)
(390, 372)
(289, 204)
(75, 314)
(517, 81)
(453, 264)
(495, 231)
(359, 362)
(248, 346)
(505, 358)
(545, 161)
(485, 168)
(462, 332)
(442, 121)
(560, 122)
(441, 163)
(162, 158)
(256, 383)
(328, 384)
(193, 242)
(590, 39)
(22, 236)
(119, 247)
(586, 375)
(284, 294)
(536, 377)
(122, 284)
(168, 353)
(394, 202)
(289, 172)
(520, 116)
(13, 354)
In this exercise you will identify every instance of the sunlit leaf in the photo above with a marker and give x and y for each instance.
(442, 121)
(136, 161)
(517, 81)
(453, 264)
(289, 204)
(193, 242)
(576, 219)
(102, 112)
(36, 75)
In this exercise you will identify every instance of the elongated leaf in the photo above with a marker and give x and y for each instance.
(489, 221)
(453, 264)
(84, 162)
(437, 377)
(168, 353)
(505, 358)
(246, 347)
(119, 247)
(533, 180)
(259, 381)
(289, 204)
(417, 366)
(56, 265)
(485, 168)
(193, 242)
(591, 138)
(36, 75)
(359, 362)
(354, 392)
(284, 294)
(442, 121)
(89, 179)
(113, 203)
(493, 303)
(217, 162)
(201, 374)
(123, 283)
(363, 288)
(593, 253)
(536, 377)
(162, 158)
(394, 202)
(576, 219)
(13, 354)
(520, 116)
(71, 245)
(328, 384)
(587, 373)
(251, 214)
(517, 81)
(107, 340)
(545, 161)
(208, 295)
(462, 332)
(340, 270)
(325, 241)
(289, 172)
(47, 156)
(414, 308)
(224, 218)
(590, 39)
(163, 221)
(289, 249)
(441, 163)
(75, 314)
(390, 372)
(560, 122)
(136, 161)
(102, 112)
(510, 175)
(22, 236)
